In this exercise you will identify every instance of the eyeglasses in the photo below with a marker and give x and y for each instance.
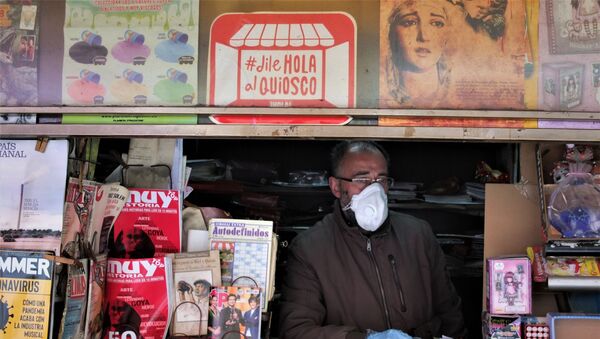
(366, 181)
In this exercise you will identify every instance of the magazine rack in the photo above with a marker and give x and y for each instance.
(266, 317)
(181, 335)
(234, 334)
(244, 277)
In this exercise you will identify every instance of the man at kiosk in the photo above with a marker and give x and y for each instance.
(364, 272)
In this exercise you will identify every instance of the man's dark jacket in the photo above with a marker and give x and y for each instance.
(340, 282)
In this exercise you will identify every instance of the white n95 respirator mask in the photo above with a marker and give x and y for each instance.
(370, 207)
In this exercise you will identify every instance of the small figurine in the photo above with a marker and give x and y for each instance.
(579, 153)
(560, 171)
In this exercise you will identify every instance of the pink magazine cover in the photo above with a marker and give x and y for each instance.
(149, 225)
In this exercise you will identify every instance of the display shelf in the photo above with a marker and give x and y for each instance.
(297, 131)
(512, 114)
(571, 247)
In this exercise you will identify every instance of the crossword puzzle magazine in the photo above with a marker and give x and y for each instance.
(246, 251)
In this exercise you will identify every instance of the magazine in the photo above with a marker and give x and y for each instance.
(26, 289)
(138, 298)
(95, 314)
(73, 320)
(33, 190)
(235, 310)
(246, 249)
(195, 274)
(149, 225)
(108, 203)
(19, 40)
(78, 210)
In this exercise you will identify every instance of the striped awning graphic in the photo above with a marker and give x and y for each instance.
(223, 246)
(282, 35)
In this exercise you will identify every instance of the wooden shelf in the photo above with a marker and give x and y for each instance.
(357, 112)
(295, 131)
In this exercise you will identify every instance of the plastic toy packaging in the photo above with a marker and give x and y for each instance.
(509, 285)
(574, 206)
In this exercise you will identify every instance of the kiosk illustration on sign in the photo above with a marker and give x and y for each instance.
(282, 60)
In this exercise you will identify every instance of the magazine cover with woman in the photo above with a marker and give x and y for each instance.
(234, 313)
(453, 54)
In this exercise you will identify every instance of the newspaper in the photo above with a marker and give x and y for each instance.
(33, 190)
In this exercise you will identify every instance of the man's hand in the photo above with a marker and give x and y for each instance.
(183, 286)
(389, 334)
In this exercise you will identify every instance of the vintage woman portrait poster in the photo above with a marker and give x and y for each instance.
(452, 54)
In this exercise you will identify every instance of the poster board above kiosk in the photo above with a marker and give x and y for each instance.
(429, 54)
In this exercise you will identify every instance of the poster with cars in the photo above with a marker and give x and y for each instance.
(130, 52)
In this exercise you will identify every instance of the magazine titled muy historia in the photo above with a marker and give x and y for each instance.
(138, 301)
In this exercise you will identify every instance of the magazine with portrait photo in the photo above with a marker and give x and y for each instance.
(235, 312)
(149, 224)
(194, 275)
(138, 301)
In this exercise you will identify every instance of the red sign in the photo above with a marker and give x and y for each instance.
(283, 60)
(288, 119)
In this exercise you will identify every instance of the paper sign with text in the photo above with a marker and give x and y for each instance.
(282, 60)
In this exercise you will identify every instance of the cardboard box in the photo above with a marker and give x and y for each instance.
(574, 325)
(535, 327)
(501, 326)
